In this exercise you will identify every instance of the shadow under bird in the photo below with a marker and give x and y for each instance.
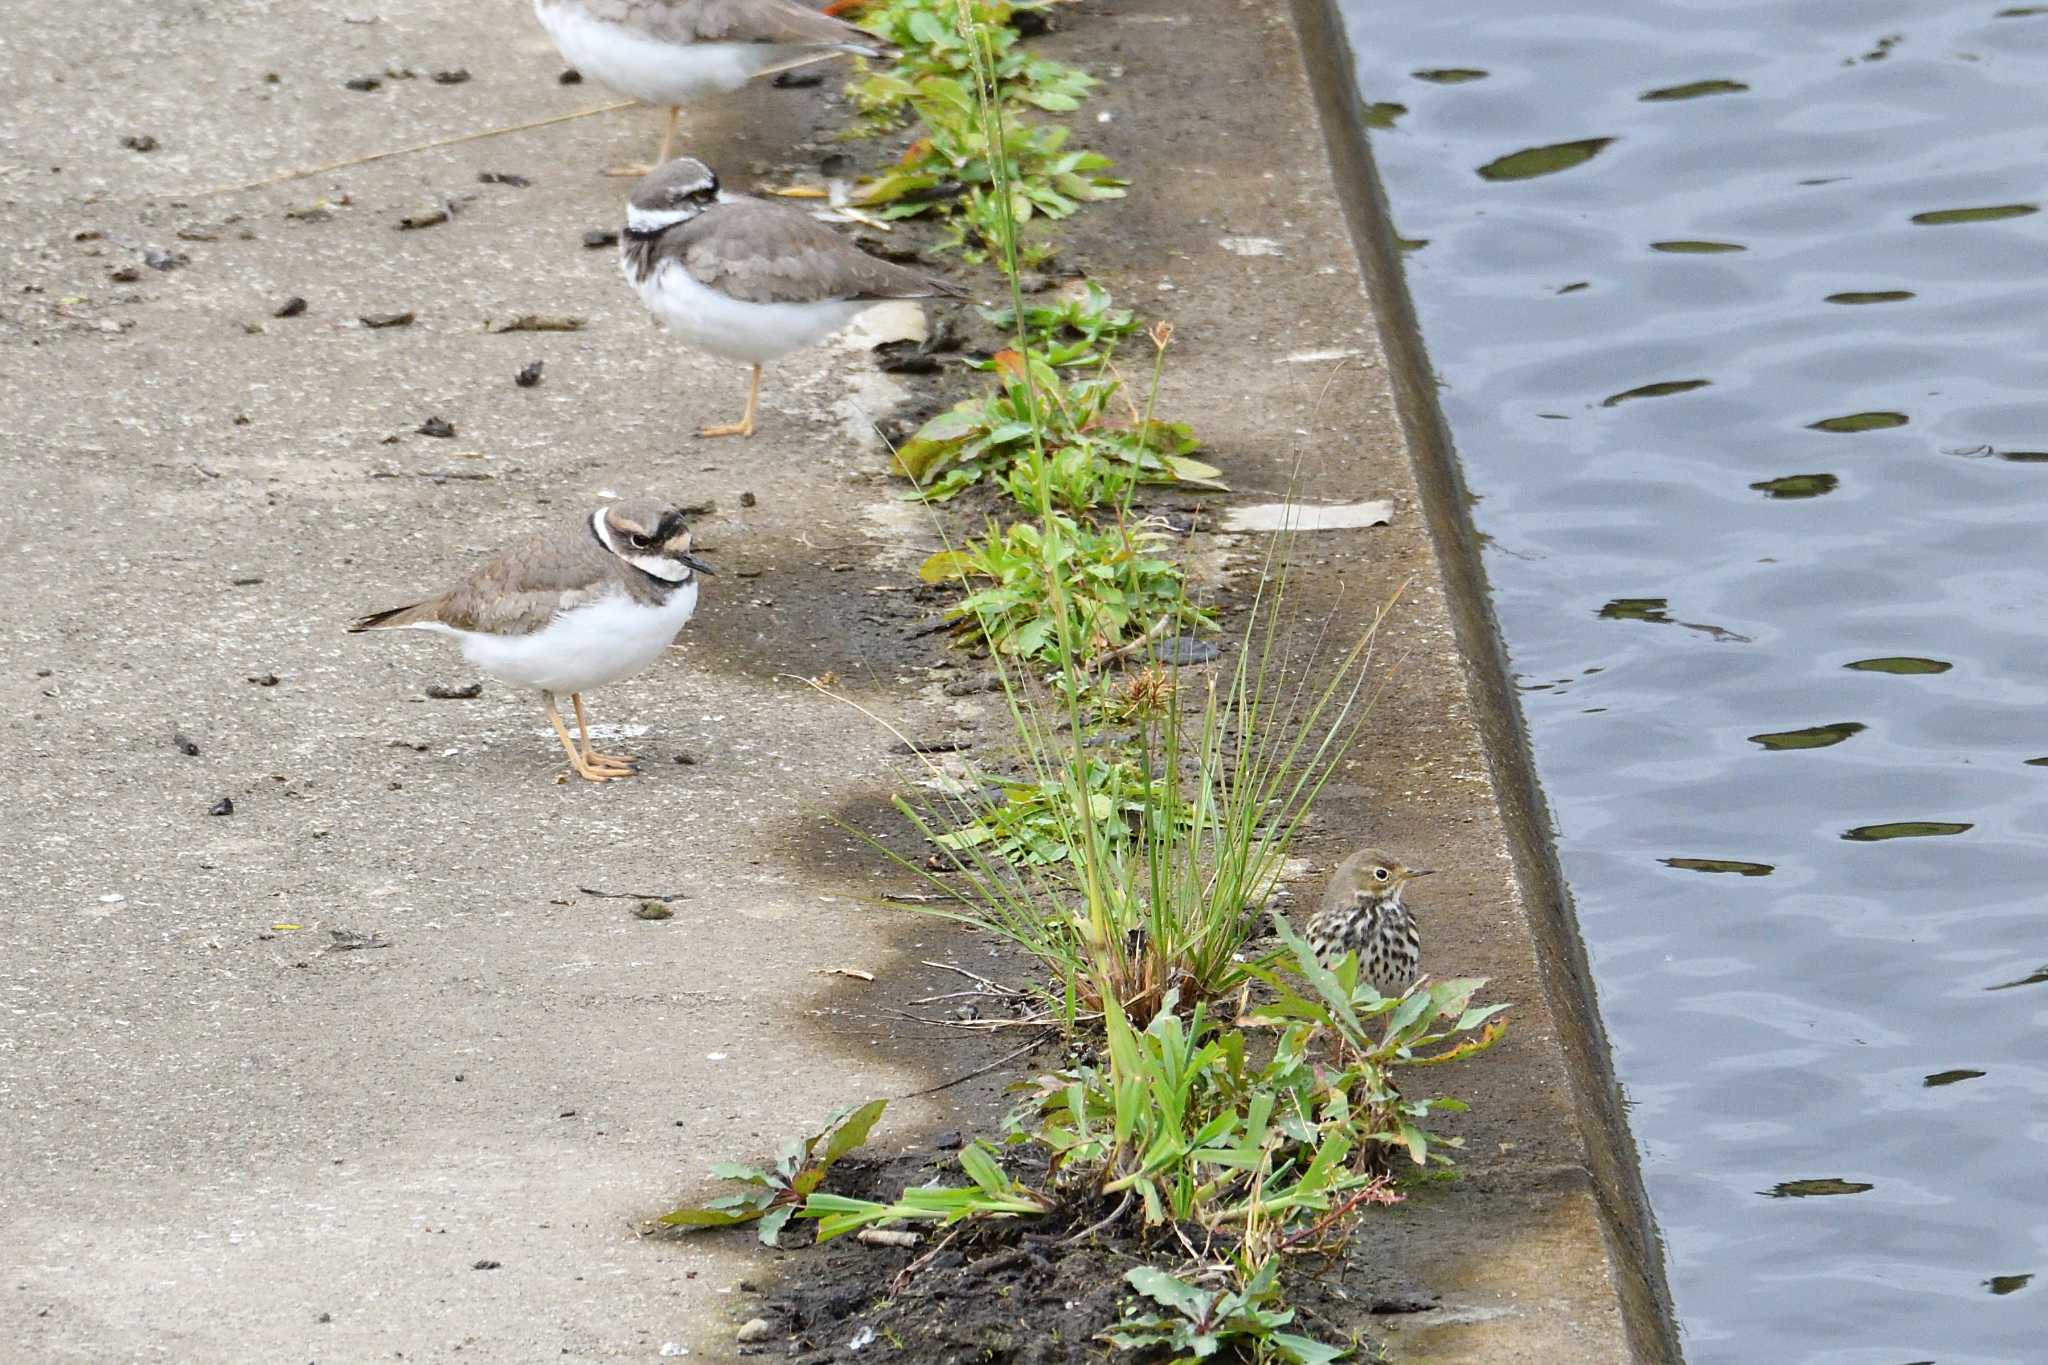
(585, 603)
(748, 279)
(675, 52)
(1362, 912)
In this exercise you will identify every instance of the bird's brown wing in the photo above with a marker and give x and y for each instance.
(520, 590)
(761, 252)
(780, 22)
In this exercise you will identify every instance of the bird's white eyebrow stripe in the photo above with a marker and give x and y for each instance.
(603, 532)
(654, 220)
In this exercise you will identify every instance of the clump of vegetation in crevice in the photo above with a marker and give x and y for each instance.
(1226, 1107)
(977, 175)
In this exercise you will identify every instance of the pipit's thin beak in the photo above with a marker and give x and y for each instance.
(699, 565)
(1415, 872)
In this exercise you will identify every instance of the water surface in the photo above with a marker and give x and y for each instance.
(1740, 312)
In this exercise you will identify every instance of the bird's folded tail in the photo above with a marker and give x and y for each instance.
(408, 615)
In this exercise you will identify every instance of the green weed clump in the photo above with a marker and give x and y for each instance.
(1094, 441)
(1237, 1103)
(982, 176)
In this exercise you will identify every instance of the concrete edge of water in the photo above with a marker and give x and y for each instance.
(1634, 1246)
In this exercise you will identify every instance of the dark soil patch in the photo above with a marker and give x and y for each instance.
(996, 1293)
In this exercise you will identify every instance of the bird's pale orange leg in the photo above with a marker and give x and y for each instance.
(624, 764)
(668, 135)
(583, 770)
(745, 426)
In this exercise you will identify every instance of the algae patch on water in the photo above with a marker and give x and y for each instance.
(1531, 162)
(1729, 865)
(1860, 421)
(1903, 829)
(1808, 1189)
(1813, 737)
(1663, 388)
(1900, 663)
(1692, 90)
(1990, 214)
(1798, 486)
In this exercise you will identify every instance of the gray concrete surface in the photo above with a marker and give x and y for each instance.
(219, 1142)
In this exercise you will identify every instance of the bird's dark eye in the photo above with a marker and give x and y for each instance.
(1379, 874)
(639, 542)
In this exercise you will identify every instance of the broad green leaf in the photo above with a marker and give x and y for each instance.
(1177, 1294)
(852, 1131)
(946, 566)
(771, 1225)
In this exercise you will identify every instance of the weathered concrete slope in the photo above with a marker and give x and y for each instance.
(1237, 227)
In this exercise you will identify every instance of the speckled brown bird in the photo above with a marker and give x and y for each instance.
(589, 602)
(748, 279)
(1362, 912)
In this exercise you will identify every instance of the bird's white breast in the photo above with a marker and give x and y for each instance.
(587, 646)
(752, 333)
(635, 64)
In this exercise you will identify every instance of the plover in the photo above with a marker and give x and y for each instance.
(1362, 912)
(747, 279)
(586, 603)
(674, 52)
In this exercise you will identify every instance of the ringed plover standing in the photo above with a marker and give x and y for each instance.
(674, 52)
(587, 603)
(748, 279)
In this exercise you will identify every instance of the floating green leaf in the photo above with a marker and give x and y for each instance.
(1651, 609)
(1694, 90)
(1807, 1189)
(1383, 114)
(1813, 737)
(2007, 1284)
(1719, 865)
(1687, 247)
(2021, 12)
(1861, 421)
(1991, 214)
(1411, 243)
(1798, 486)
(2024, 456)
(1663, 388)
(2033, 978)
(1870, 296)
(1951, 1077)
(1449, 75)
(1531, 162)
(1900, 663)
(1903, 829)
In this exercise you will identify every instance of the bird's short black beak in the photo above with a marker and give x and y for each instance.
(1415, 872)
(699, 565)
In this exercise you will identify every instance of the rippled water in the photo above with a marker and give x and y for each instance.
(1741, 317)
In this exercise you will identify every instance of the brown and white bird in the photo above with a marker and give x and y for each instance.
(586, 603)
(747, 279)
(1362, 912)
(675, 52)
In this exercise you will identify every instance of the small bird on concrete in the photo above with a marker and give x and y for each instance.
(748, 279)
(1362, 912)
(589, 602)
(675, 52)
